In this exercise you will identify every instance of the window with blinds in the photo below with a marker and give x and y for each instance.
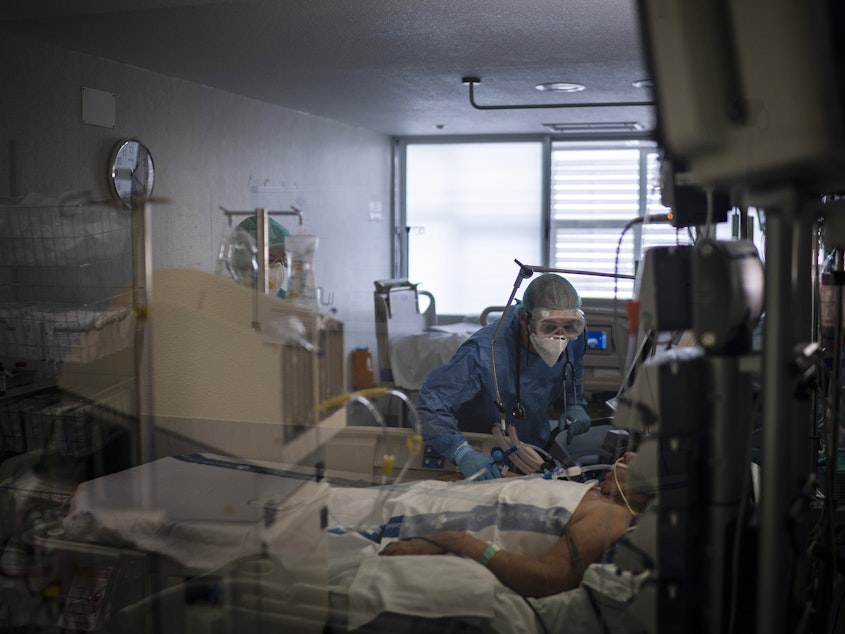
(471, 208)
(599, 193)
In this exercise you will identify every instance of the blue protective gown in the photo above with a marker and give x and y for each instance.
(460, 396)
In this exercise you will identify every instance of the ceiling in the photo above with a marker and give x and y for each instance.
(393, 66)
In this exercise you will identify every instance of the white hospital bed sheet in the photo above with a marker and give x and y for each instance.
(525, 514)
(438, 586)
(201, 510)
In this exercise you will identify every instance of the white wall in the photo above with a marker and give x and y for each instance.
(210, 149)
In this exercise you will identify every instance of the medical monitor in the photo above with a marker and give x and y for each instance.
(598, 340)
(607, 340)
(750, 93)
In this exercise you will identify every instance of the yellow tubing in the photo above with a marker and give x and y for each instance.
(387, 465)
(340, 399)
(415, 444)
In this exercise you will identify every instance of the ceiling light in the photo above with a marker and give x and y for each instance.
(604, 127)
(643, 83)
(471, 82)
(559, 86)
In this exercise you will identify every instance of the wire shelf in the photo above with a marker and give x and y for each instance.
(65, 284)
(58, 423)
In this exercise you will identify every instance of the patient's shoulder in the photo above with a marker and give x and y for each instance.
(596, 506)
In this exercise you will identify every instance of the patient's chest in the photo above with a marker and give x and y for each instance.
(597, 509)
(594, 495)
(592, 498)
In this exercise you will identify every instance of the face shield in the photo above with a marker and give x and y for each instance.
(276, 254)
(277, 265)
(276, 270)
(551, 330)
(559, 323)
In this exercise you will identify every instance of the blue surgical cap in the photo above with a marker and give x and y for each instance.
(549, 291)
(276, 233)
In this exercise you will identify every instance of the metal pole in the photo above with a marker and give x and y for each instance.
(262, 257)
(142, 296)
(547, 269)
(774, 564)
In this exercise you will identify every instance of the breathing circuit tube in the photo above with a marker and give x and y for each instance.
(414, 442)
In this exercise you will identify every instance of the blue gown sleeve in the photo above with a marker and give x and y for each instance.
(443, 392)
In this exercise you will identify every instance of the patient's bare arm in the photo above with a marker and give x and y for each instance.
(594, 526)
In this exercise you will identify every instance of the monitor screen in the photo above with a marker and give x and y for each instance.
(598, 340)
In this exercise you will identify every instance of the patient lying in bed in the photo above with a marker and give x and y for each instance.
(548, 532)
(599, 519)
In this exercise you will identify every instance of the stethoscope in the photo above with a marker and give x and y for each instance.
(518, 412)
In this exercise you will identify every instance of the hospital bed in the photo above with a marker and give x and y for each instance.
(409, 339)
(230, 545)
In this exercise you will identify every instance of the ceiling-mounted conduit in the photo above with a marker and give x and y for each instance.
(472, 81)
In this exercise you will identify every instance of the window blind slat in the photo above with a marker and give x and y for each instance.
(475, 207)
(604, 187)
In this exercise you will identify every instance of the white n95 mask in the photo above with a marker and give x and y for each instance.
(549, 348)
(275, 278)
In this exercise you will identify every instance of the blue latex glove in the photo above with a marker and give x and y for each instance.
(575, 421)
(470, 462)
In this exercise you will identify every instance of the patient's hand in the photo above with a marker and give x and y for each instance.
(412, 546)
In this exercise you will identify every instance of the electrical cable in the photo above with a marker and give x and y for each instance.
(617, 256)
(831, 451)
(630, 224)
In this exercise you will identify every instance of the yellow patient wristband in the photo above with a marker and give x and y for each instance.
(488, 553)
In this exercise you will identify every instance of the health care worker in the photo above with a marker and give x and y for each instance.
(277, 259)
(539, 355)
